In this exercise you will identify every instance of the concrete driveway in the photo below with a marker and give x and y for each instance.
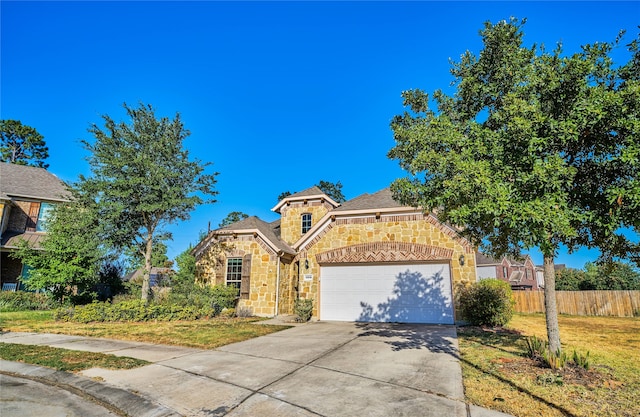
(318, 369)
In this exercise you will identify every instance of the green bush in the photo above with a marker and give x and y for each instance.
(216, 297)
(487, 303)
(303, 309)
(23, 300)
(130, 310)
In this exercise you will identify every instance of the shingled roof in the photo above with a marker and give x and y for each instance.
(381, 199)
(30, 182)
(269, 230)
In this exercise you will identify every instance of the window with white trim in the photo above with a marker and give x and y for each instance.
(234, 272)
(306, 222)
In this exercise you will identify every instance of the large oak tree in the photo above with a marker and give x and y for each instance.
(143, 180)
(535, 148)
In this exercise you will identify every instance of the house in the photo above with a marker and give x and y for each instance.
(520, 274)
(368, 259)
(26, 195)
(157, 275)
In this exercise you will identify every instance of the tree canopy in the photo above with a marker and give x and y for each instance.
(143, 180)
(535, 148)
(609, 276)
(71, 252)
(22, 144)
(233, 217)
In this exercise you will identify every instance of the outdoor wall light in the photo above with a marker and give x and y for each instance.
(461, 260)
(306, 264)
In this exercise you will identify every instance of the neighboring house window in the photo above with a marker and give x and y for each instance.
(528, 273)
(43, 216)
(306, 222)
(504, 272)
(234, 272)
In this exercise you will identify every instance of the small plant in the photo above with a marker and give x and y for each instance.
(582, 361)
(303, 309)
(487, 303)
(535, 347)
(555, 360)
(244, 312)
(549, 378)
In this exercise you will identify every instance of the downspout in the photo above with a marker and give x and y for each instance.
(275, 313)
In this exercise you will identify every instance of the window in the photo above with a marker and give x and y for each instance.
(306, 222)
(43, 215)
(504, 272)
(234, 272)
(528, 273)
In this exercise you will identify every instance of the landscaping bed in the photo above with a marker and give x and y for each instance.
(498, 373)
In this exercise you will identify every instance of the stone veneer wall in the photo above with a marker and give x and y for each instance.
(291, 218)
(264, 264)
(411, 228)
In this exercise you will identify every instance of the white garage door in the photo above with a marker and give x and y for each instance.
(419, 293)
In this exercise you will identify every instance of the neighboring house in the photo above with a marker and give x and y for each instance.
(157, 275)
(369, 259)
(520, 274)
(26, 195)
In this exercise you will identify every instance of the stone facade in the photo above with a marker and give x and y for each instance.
(353, 234)
(291, 217)
(409, 229)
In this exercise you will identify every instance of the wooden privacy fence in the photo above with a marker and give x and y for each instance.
(582, 303)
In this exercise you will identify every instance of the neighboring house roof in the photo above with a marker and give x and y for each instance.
(310, 193)
(485, 260)
(270, 231)
(155, 271)
(30, 182)
(10, 240)
(381, 199)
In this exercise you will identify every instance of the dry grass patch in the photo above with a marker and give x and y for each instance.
(497, 374)
(65, 359)
(206, 334)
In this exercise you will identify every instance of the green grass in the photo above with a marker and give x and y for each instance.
(206, 334)
(64, 359)
(497, 374)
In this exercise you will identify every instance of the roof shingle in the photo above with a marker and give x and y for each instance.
(32, 182)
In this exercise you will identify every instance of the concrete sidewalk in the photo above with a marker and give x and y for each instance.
(317, 369)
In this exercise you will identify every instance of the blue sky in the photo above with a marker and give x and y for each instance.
(278, 96)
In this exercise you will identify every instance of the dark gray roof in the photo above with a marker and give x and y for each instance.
(269, 230)
(482, 259)
(309, 191)
(26, 181)
(379, 200)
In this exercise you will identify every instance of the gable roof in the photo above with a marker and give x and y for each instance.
(30, 182)
(310, 193)
(379, 200)
(270, 231)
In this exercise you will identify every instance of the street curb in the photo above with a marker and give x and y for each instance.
(121, 402)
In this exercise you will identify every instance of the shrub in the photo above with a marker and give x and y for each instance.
(303, 309)
(244, 312)
(538, 350)
(487, 303)
(130, 310)
(23, 300)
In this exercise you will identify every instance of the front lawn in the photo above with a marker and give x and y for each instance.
(206, 334)
(498, 375)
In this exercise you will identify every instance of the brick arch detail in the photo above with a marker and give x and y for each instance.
(384, 252)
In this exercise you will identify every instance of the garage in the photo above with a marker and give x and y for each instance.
(388, 292)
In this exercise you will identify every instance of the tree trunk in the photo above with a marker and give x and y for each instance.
(146, 289)
(550, 308)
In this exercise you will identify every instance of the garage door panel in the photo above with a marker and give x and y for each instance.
(386, 293)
